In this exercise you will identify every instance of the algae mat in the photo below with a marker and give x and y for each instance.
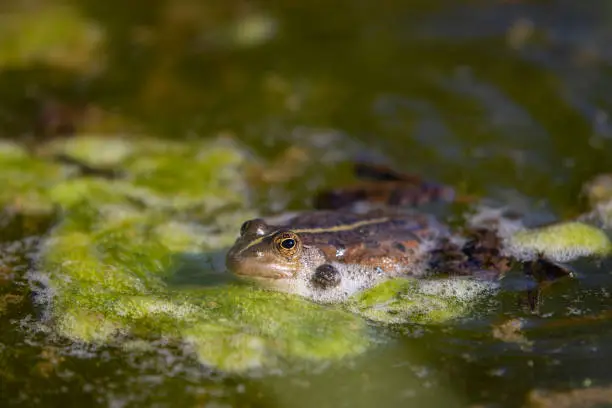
(133, 215)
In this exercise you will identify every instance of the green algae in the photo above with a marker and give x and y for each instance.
(419, 301)
(80, 191)
(168, 175)
(95, 150)
(599, 190)
(25, 181)
(599, 195)
(275, 326)
(53, 34)
(111, 263)
(560, 242)
(112, 283)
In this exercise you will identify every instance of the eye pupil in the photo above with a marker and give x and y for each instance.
(288, 243)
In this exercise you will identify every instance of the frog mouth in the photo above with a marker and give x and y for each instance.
(254, 269)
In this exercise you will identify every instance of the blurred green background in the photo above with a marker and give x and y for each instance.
(504, 94)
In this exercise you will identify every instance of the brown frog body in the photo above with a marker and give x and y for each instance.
(342, 248)
(328, 255)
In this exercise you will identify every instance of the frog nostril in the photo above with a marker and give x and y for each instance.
(244, 228)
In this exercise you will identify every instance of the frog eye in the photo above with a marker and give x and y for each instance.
(256, 226)
(245, 227)
(287, 243)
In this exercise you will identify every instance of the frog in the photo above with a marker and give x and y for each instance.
(342, 247)
(328, 255)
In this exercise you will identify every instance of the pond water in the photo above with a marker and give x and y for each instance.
(505, 99)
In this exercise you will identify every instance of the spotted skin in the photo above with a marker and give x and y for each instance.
(377, 243)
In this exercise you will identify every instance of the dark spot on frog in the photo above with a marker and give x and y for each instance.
(326, 276)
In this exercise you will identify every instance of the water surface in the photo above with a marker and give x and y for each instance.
(508, 99)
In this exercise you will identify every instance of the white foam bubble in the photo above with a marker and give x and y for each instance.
(462, 289)
(496, 219)
(354, 278)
